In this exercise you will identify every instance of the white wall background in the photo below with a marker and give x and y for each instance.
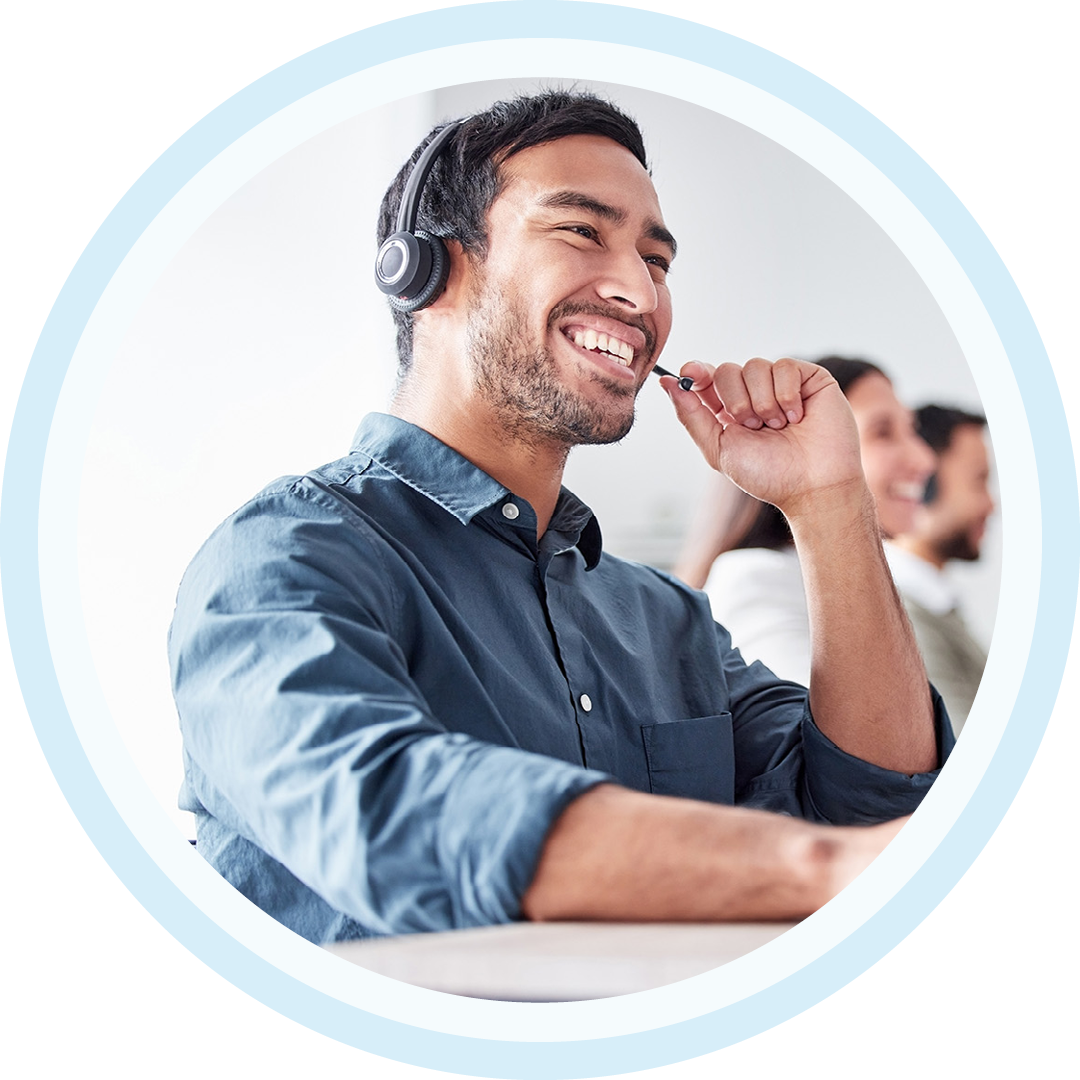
(264, 342)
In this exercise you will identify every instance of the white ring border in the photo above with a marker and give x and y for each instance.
(559, 59)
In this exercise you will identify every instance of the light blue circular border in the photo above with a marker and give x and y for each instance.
(61, 334)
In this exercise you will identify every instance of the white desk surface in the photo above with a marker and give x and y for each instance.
(558, 961)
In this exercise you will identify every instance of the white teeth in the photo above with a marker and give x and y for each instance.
(612, 346)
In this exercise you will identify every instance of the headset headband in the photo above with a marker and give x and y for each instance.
(411, 267)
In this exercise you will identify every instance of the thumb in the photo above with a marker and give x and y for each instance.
(698, 419)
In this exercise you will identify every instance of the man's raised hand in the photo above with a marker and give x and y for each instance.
(780, 430)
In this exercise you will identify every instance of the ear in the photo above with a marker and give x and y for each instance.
(442, 325)
(458, 283)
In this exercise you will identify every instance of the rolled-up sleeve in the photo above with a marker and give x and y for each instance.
(305, 734)
(785, 764)
(845, 790)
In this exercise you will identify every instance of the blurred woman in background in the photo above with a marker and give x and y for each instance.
(740, 550)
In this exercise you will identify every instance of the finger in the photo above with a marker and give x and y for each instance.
(734, 395)
(788, 377)
(814, 379)
(698, 419)
(758, 375)
(702, 374)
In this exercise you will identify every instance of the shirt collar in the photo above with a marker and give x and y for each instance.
(453, 482)
(921, 581)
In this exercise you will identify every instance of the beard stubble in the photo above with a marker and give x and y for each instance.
(521, 383)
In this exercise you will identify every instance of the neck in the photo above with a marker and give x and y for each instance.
(531, 469)
(921, 548)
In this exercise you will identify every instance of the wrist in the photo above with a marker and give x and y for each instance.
(838, 510)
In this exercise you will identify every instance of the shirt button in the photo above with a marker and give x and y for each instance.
(586, 702)
(510, 511)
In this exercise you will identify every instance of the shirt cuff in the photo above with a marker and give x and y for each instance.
(495, 820)
(845, 790)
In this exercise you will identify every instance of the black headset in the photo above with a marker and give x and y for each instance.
(412, 266)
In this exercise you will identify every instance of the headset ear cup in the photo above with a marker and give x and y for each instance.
(430, 290)
(403, 265)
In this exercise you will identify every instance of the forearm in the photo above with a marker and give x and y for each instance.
(621, 855)
(868, 687)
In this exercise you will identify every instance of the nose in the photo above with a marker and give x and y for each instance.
(626, 280)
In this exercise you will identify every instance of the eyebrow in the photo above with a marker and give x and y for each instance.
(560, 200)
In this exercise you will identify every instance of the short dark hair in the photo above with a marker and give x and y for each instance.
(936, 424)
(768, 529)
(465, 179)
(848, 370)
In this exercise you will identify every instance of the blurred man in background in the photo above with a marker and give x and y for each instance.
(950, 525)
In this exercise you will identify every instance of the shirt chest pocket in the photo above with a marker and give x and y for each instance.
(694, 758)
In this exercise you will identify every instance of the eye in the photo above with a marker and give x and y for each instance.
(586, 231)
(662, 264)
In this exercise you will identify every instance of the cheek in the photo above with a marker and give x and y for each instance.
(877, 465)
(976, 507)
(663, 316)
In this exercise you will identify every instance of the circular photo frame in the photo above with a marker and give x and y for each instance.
(104, 418)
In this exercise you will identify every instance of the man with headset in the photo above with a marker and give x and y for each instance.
(415, 692)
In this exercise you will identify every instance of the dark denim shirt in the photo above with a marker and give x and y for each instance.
(389, 690)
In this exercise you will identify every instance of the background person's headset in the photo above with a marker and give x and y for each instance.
(412, 266)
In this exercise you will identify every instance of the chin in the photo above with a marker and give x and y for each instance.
(600, 429)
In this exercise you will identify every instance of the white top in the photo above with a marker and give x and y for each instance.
(921, 581)
(758, 595)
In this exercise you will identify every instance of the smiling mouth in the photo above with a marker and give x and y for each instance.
(594, 341)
